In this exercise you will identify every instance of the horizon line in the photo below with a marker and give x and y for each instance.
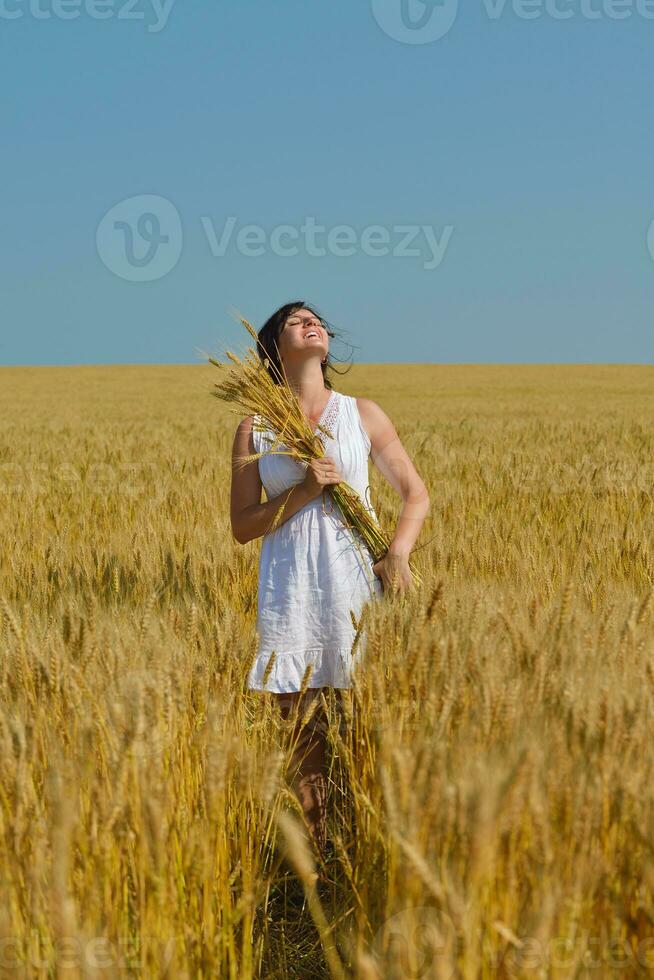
(99, 364)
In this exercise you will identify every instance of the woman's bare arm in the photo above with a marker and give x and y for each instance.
(250, 518)
(391, 459)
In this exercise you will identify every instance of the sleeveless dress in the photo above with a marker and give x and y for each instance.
(312, 570)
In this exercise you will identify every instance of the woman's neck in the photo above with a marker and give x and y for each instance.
(307, 381)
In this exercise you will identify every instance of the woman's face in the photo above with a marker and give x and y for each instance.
(302, 334)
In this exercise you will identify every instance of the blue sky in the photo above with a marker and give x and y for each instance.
(511, 158)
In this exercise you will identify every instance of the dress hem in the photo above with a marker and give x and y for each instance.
(332, 668)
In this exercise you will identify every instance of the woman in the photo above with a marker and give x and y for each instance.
(312, 572)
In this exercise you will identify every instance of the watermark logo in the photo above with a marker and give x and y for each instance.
(156, 12)
(133, 706)
(37, 478)
(415, 21)
(415, 943)
(341, 241)
(570, 9)
(140, 238)
(425, 21)
(650, 239)
(70, 952)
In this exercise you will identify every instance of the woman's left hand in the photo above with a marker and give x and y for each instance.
(393, 569)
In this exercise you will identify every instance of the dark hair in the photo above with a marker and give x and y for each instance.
(269, 335)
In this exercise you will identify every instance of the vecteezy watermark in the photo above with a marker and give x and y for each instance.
(341, 241)
(585, 478)
(606, 954)
(140, 239)
(415, 21)
(422, 942)
(132, 708)
(425, 21)
(96, 953)
(417, 942)
(569, 9)
(40, 479)
(156, 12)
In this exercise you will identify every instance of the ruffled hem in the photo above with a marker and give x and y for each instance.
(331, 668)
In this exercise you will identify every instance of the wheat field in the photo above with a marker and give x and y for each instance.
(492, 780)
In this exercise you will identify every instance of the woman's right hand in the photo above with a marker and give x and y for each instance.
(320, 473)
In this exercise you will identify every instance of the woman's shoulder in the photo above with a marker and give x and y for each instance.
(364, 403)
(245, 432)
(367, 407)
(373, 418)
(245, 425)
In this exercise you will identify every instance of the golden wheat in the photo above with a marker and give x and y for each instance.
(491, 768)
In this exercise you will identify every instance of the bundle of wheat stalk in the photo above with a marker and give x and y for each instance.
(253, 389)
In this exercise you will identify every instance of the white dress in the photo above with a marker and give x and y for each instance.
(312, 570)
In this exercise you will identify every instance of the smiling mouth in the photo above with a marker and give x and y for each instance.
(312, 333)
